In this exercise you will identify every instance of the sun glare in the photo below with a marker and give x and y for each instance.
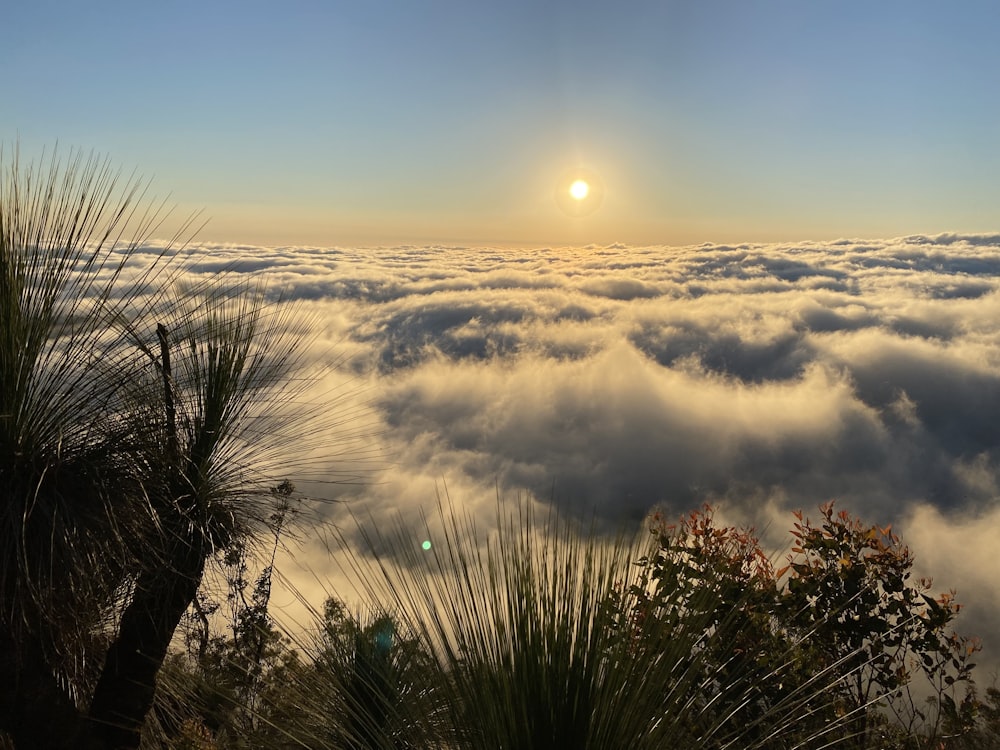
(579, 190)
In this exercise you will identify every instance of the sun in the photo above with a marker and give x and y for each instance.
(579, 192)
(579, 189)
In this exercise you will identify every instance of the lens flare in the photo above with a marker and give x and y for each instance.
(426, 545)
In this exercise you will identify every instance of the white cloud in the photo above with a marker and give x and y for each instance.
(765, 377)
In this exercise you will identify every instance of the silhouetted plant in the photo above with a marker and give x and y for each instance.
(378, 677)
(547, 636)
(839, 631)
(850, 585)
(141, 423)
(223, 372)
(70, 462)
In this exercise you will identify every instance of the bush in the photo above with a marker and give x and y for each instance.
(843, 615)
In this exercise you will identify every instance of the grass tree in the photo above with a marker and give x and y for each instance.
(138, 422)
(69, 467)
(221, 368)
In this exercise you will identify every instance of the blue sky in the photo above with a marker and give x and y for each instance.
(390, 122)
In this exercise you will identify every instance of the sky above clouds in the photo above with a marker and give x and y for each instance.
(387, 122)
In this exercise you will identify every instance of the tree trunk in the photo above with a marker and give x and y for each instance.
(124, 692)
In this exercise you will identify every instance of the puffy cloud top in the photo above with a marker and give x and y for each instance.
(616, 378)
(611, 379)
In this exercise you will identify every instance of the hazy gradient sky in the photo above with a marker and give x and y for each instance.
(384, 122)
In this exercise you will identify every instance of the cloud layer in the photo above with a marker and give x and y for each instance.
(618, 377)
(610, 379)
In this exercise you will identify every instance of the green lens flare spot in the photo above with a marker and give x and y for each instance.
(427, 544)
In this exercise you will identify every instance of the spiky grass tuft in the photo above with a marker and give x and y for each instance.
(526, 628)
(67, 232)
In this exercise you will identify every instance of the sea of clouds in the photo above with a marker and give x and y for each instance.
(760, 378)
